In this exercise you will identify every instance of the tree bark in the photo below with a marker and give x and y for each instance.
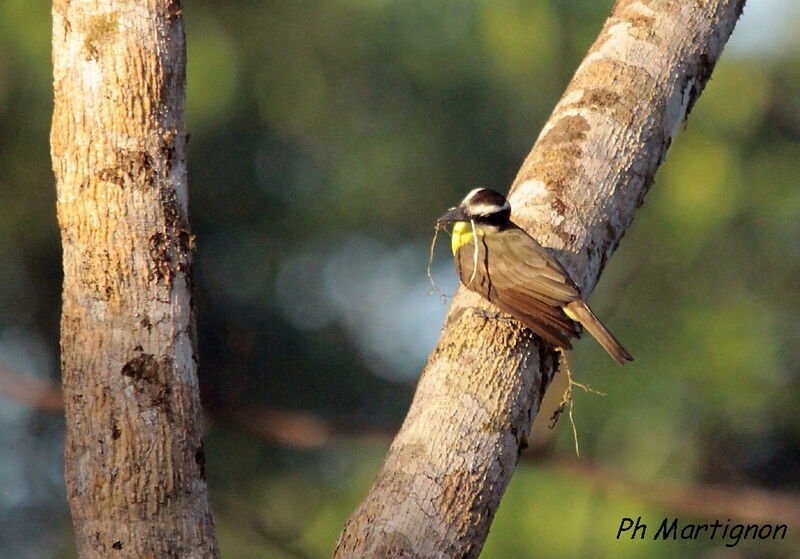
(577, 192)
(134, 456)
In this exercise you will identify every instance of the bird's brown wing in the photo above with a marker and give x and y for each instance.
(518, 276)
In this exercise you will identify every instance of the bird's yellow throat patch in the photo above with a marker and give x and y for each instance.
(462, 234)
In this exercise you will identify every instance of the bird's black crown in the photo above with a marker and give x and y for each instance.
(486, 206)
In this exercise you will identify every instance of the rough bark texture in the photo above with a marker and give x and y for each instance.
(134, 456)
(576, 192)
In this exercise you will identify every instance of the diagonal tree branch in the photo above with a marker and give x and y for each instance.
(577, 192)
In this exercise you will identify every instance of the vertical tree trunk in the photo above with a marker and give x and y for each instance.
(577, 192)
(134, 455)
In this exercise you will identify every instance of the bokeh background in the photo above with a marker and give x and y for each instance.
(326, 138)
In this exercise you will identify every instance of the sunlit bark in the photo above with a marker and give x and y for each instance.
(134, 457)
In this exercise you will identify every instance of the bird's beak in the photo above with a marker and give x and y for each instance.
(451, 215)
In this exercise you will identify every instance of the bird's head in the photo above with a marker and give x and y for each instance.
(482, 206)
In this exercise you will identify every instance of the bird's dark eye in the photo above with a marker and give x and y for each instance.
(498, 217)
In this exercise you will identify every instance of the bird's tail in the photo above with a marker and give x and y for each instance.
(580, 311)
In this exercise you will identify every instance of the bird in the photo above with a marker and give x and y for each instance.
(498, 260)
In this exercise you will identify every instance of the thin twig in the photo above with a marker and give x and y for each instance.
(567, 398)
(474, 251)
(436, 288)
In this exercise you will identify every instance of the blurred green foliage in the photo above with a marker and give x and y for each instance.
(326, 137)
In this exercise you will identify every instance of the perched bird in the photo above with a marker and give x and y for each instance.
(502, 263)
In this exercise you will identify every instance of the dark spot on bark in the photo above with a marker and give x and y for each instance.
(168, 149)
(96, 543)
(174, 11)
(394, 545)
(558, 164)
(132, 168)
(185, 240)
(568, 129)
(200, 460)
(665, 148)
(641, 25)
(115, 431)
(151, 377)
(567, 238)
(494, 425)
(98, 31)
(599, 98)
(559, 178)
(649, 181)
(101, 274)
(170, 207)
(170, 253)
(705, 66)
(641, 20)
(163, 399)
(138, 348)
(558, 206)
(144, 367)
(523, 444)
(160, 255)
(117, 545)
(145, 323)
(596, 252)
(552, 359)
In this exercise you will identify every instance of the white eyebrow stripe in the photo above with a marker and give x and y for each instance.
(487, 209)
